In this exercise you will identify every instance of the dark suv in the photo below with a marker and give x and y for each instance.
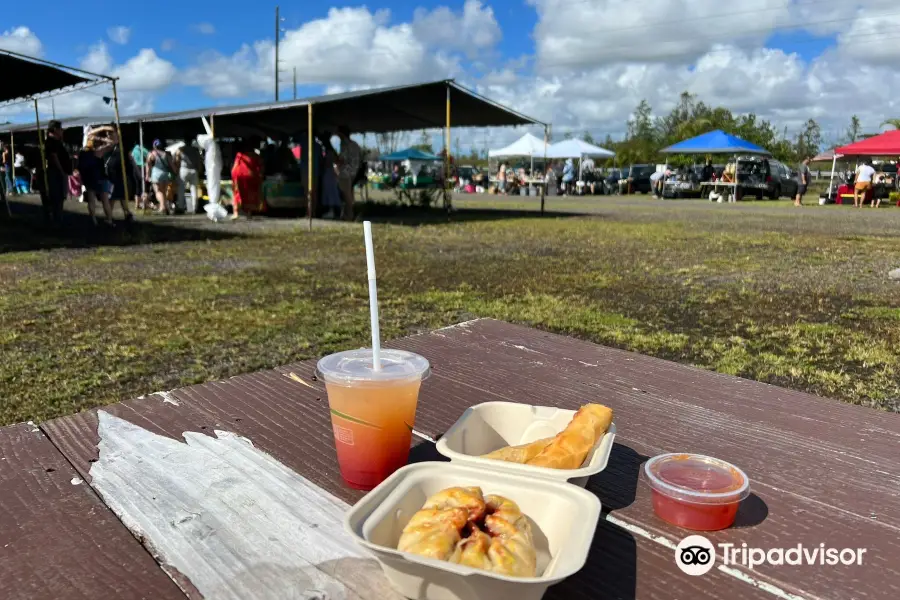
(640, 178)
(779, 180)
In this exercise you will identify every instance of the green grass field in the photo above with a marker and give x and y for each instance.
(795, 297)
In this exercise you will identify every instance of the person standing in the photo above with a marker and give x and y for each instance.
(865, 174)
(246, 179)
(501, 179)
(139, 156)
(187, 158)
(118, 179)
(59, 167)
(6, 167)
(803, 179)
(91, 166)
(348, 163)
(160, 171)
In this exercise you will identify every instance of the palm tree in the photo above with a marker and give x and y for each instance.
(895, 123)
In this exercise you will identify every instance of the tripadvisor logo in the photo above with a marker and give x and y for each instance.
(696, 555)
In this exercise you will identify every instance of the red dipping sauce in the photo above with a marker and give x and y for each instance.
(694, 491)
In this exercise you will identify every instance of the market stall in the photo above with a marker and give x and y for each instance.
(719, 142)
(527, 146)
(580, 150)
(886, 145)
(418, 169)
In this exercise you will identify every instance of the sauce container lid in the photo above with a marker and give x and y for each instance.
(696, 479)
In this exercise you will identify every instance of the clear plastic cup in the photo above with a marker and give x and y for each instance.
(696, 492)
(372, 412)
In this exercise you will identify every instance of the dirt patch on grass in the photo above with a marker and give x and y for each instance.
(795, 298)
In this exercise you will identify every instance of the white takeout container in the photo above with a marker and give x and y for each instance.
(563, 520)
(490, 426)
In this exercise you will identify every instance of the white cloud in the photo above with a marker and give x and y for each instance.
(205, 28)
(21, 40)
(167, 45)
(349, 47)
(119, 34)
(473, 30)
(872, 36)
(590, 32)
(145, 71)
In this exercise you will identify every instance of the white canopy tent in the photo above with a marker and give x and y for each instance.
(527, 145)
(576, 148)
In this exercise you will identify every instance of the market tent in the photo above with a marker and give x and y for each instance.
(715, 142)
(886, 144)
(24, 78)
(833, 156)
(825, 156)
(527, 145)
(576, 149)
(378, 110)
(409, 154)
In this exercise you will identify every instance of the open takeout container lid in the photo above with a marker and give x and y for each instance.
(489, 426)
(563, 519)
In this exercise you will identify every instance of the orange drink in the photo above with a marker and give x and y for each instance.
(372, 412)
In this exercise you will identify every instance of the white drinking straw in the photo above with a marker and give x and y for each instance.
(373, 296)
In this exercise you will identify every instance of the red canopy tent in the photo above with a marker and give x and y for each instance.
(886, 144)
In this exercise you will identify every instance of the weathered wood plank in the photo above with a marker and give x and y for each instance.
(160, 488)
(808, 490)
(57, 540)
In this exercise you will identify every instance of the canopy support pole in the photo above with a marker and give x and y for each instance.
(12, 161)
(833, 167)
(37, 122)
(143, 159)
(544, 187)
(447, 189)
(309, 165)
(121, 147)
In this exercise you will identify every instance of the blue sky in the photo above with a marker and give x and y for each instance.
(560, 60)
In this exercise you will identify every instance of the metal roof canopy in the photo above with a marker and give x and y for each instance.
(26, 78)
(380, 110)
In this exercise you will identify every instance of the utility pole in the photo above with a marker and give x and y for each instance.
(277, 42)
(53, 108)
(295, 83)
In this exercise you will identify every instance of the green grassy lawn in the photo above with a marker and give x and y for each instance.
(795, 297)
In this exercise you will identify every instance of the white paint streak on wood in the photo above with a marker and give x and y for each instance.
(76, 481)
(764, 586)
(167, 398)
(732, 572)
(232, 519)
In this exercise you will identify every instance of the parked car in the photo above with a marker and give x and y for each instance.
(767, 176)
(640, 178)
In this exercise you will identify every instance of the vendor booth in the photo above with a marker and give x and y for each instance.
(744, 174)
(418, 169)
(578, 150)
(886, 145)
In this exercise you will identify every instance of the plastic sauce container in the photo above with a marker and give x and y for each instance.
(694, 491)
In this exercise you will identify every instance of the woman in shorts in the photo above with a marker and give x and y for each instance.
(162, 173)
(93, 174)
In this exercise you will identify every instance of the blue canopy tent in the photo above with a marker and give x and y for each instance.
(409, 154)
(718, 142)
(715, 142)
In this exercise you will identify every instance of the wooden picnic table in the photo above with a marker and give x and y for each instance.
(823, 473)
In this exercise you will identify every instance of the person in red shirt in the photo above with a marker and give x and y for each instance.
(247, 180)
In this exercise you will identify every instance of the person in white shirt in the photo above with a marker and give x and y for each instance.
(865, 174)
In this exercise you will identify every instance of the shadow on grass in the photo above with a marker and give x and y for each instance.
(27, 231)
(379, 212)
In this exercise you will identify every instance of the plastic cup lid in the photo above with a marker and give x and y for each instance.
(696, 479)
(356, 366)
